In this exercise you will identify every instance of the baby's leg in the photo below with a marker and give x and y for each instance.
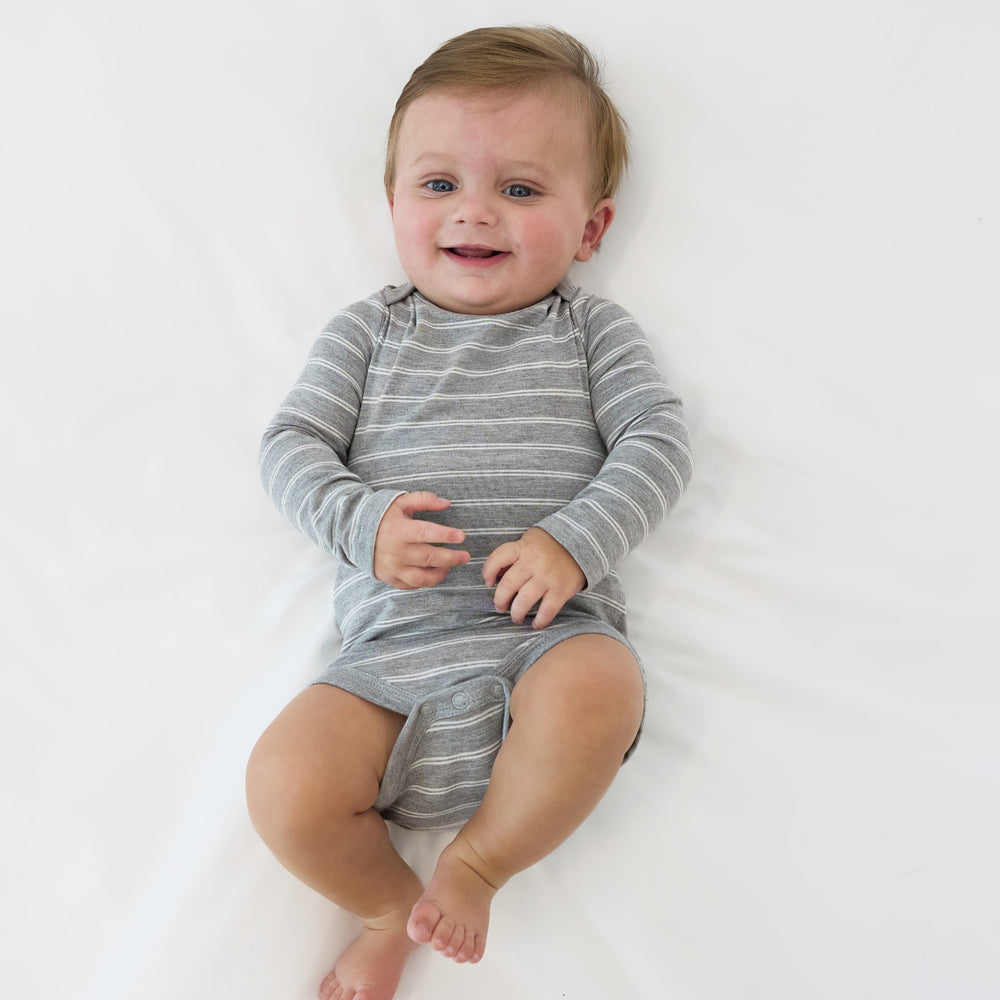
(575, 714)
(311, 783)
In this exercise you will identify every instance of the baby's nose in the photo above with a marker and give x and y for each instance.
(475, 208)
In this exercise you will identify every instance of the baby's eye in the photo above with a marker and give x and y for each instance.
(518, 191)
(440, 186)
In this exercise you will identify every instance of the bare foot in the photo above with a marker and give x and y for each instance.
(370, 968)
(453, 914)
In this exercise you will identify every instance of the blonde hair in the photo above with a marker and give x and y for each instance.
(521, 58)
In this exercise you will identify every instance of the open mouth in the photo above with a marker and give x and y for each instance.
(473, 252)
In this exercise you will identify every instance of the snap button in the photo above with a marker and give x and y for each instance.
(498, 690)
(461, 700)
(427, 711)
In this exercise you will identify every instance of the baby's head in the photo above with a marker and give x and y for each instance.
(503, 157)
(492, 61)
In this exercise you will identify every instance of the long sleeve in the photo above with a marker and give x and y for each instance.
(642, 424)
(304, 451)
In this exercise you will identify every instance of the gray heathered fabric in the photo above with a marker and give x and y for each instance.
(555, 416)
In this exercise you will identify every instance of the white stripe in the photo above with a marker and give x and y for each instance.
(299, 475)
(463, 396)
(329, 366)
(438, 374)
(360, 321)
(579, 530)
(477, 446)
(421, 424)
(346, 345)
(455, 758)
(464, 323)
(464, 723)
(433, 476)
(634, 390)
(410, 344)
(414, 814)
(615, 527)
(423, 675)
(447, 789)
(313, 421)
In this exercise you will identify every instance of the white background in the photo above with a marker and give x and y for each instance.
(188, 190)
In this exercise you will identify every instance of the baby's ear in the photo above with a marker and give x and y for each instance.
(597, 226)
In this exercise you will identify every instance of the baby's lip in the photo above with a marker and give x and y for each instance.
(473, 251)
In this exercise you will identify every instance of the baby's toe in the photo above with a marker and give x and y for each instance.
(445, 934)
(331, 988)
(456, 944)
(424, 921)
(469, 952)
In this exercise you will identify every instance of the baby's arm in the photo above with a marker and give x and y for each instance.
(646, 469)
(303, 457)
(641, 421)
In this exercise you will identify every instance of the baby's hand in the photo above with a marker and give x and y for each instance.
(532, 569)
(408, 553)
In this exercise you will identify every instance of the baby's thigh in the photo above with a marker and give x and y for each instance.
(328, 748)
(583, 686)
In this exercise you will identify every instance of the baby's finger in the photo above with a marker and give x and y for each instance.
(429, 533)
(510, 583)
(551, 606)
(498, 561)
(414, 503)
(434, 556)
(527, 597)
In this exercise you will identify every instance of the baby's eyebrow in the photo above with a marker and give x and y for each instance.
(429, 156)
(513, 168)
(528, 169)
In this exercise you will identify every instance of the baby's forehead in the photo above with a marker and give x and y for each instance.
(551, 114)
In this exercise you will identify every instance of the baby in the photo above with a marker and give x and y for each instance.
(479, 448)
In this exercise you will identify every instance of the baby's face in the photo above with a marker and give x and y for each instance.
(493, 198)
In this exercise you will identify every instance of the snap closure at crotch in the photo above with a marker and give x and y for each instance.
(440, 767)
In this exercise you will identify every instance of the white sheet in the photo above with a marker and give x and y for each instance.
(190, 189)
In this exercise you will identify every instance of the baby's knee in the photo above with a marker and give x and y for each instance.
(272, 793)
(294, 802)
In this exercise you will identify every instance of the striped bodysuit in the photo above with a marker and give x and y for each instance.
(553, 416)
